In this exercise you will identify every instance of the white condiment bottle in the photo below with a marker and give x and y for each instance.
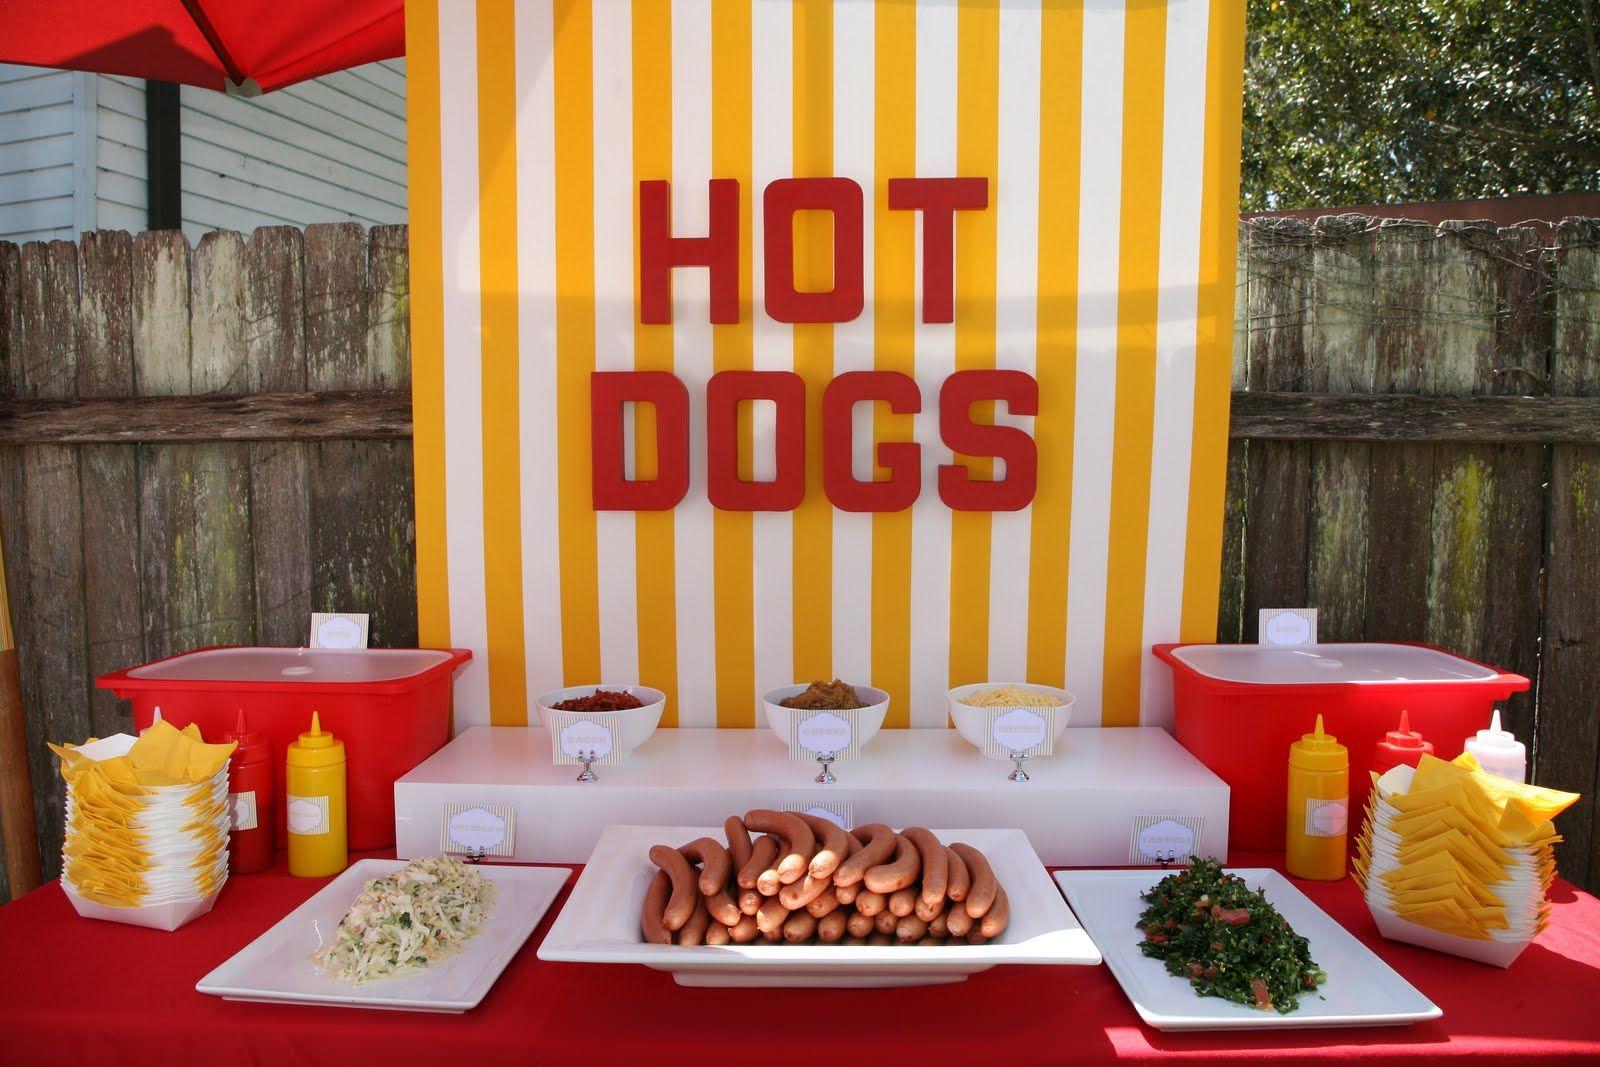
(1498, 752)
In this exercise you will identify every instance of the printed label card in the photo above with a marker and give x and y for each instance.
(1164, 838)
(824, 733)
(1027, 730)
(835, 811)
(345, 629)
(1287, 627)
(478, 829)
(578, 738)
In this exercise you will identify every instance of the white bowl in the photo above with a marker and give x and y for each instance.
(971, 723)
(633, 726)
(868, 719)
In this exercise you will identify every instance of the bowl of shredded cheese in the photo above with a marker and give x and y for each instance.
(973, 709)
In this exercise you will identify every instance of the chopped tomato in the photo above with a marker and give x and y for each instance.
(1263, 997)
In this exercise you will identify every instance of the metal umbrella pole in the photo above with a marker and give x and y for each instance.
(17, 831)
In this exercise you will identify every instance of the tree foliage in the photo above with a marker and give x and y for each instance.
(1389, 101)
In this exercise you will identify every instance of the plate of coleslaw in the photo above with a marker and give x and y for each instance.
(429, 935)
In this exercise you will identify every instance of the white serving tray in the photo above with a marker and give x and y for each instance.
(1361, 989)
(277, 968)
(600, 924)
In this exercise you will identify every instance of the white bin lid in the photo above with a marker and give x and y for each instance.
(321, 665)
(1373, 664)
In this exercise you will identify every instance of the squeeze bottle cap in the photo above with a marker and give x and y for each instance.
(1319, 751)
(315, 747)
(1406, 737)
(251, 748)
(1495, 737)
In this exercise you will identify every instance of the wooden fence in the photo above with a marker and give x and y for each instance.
(204, 446)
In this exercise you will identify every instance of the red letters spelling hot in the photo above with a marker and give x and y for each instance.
(661, 251)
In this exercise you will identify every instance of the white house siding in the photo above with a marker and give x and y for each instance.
(322, 151)
(120, 168)
(37, 153)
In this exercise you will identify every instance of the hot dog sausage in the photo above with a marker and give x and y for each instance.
(998, 917)
(885, 922)
(935, 864)
(899, 872)
(799, 843)
(655, 905)
(846, 893)
(870, 903)
(910, 929)
(723, 908)
(739, 846)
(746, 931)
(976, 938)
(773, 935)
(960, 880)
(878, 846)
(826, 903)
(749, 901)
(981, 893)
(881, 939)
(771, 915)
(762, 855)
(684, 891)
(694, 931)
(834, 848)
(798, 927)
(831, 927)
(902, 901)
(926, 910)
(939, 925)
(797, 895)
(959, 922)
(769, 882)
(713, 860)
(858, 924)
(717, 934)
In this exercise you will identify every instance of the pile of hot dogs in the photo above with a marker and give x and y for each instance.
(804, 879)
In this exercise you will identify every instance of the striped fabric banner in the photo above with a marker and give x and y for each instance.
(1103, 267)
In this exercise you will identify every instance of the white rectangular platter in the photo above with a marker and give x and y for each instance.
(600, 924)
(277, 967)
(1361, 989)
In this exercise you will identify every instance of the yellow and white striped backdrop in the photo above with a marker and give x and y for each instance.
(1104, 266)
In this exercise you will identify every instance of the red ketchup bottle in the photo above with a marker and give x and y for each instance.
(250, 845)
(1403, 745)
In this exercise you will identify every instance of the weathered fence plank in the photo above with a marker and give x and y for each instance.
(362, 529)
(1277, 508)
(110, 473)
(280, 498)
(52, 649)
(1342, 356)
(1569, 697)
(1401, 495)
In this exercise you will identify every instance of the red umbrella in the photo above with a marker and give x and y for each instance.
(248, 46)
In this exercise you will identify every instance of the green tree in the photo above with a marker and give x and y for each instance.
(1389, 101)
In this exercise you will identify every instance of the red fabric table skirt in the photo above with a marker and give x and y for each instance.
(75, 991)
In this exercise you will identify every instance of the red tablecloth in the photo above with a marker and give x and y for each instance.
(74, 991)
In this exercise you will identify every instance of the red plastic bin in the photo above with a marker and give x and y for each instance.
(390, 707)
(1238, 708)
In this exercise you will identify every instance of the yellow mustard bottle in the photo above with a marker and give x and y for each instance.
(1319, 807)
(315, 804)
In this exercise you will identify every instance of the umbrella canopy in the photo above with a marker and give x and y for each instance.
(245, 46)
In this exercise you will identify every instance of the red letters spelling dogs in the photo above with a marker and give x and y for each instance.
(660, 251)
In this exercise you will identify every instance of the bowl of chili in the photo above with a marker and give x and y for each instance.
(634, 710)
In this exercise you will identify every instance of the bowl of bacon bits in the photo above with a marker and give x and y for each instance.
(632, 711)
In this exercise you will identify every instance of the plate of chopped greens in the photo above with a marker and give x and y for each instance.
(1203, 948)
(429, 935)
